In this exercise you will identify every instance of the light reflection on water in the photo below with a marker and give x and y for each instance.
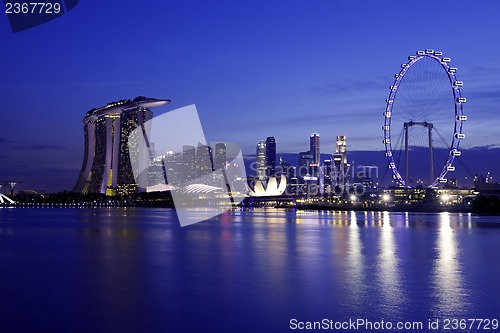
(108, 265)
(389, 279)
(355, 266)
(447, 273)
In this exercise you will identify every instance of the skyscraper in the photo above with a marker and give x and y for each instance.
(328, 171)
(261, 160)
(314, 148)
(271, 156)
(174, 167)
(188, 162)
(341, 167)
(156, 171)
(204, 160)
(304, 165)
(106, 164)
(220, 156)
(341, 147)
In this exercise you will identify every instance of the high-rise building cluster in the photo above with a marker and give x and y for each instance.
(311, 174)
(192, 163)
(110, 148)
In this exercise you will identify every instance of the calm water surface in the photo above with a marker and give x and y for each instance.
(137, 270)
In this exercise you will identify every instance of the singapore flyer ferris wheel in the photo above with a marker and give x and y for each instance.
(423, 121)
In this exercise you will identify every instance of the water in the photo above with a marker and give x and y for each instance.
(136, 270)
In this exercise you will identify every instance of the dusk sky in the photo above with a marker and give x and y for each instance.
(253, 68)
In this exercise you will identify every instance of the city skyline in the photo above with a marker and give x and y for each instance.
(249, 166)
(330, 74)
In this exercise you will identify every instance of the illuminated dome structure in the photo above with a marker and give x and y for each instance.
(273, 187)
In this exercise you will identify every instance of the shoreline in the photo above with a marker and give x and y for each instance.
(302, 207)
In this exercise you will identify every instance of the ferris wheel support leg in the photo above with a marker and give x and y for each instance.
(406, 125)
(431, 159)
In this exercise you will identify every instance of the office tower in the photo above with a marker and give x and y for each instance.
(326, 179)
(341, 167)
(188, 161)
(328, 171)
(156, 170)
(284, 168)
(204, 162)
(106, 164)
(174, 168)
(314, 148)
(304, 165)
(341, 147)
(271, 156)
(337, 170)
(261, 160)
(220, 156)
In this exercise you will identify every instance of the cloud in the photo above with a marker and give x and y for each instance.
(40, 147)
(485, 95)
(16, 145)
(4, 140)
(346, 118)
(485, 147)
(482, 70)
(347, 86)
(100, 84)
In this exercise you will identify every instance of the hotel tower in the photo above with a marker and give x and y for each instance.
(106, 164)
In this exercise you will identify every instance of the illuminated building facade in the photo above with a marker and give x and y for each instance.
(306, 159)
(220, 156)
(106, 164)
(261, 160)
(314, 148)
(188, 161)
(341, 167)
(271, 156)
(204, 162)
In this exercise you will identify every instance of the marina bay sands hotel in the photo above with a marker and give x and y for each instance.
(106, 165)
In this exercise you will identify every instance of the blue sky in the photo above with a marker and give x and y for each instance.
(253, 68)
